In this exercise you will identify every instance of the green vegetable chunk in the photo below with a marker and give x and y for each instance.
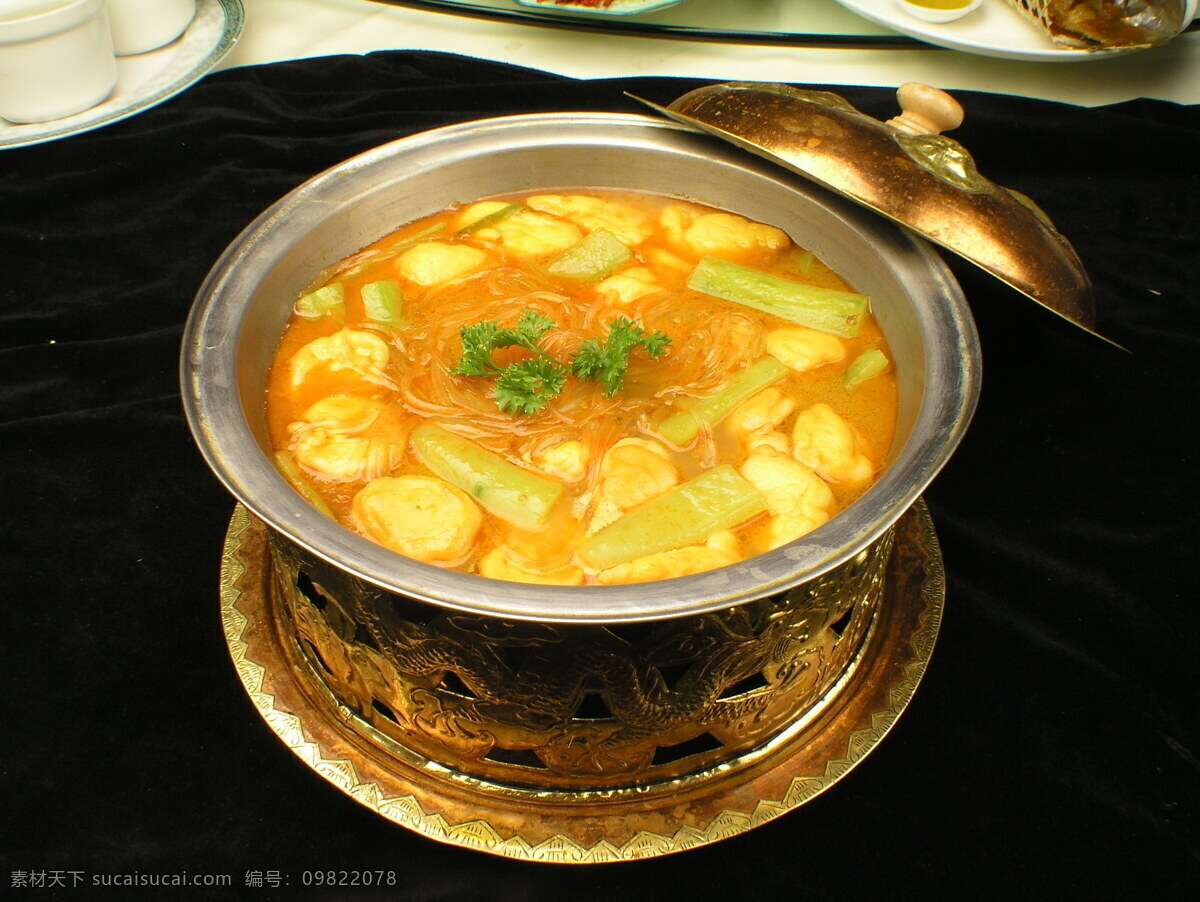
(866, 365)
(591, 259)
(382, 302)
(681, 427)
(486, 222)
(324, 301)
(836, 312)
(504, 489)
(287, 466)
(687, 515)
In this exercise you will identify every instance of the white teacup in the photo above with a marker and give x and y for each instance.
(56, 58)
(139, 26)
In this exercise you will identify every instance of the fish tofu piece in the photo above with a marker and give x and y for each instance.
(631, 225)
(797, 498)
(635, 470)
(721, 550)
(801, 349)
(755, 421)
(719, 233)
(333, 438)
(768, 438)
(527, 234)
(499, 564)
(365, 353)
(829, 444)
(626, 287)
(421, 517)
(335, 455)
(435, 262)
(567, 460)
(670, 270)
(762, 412)
(344, 410)
(716, 233)
(476, 211)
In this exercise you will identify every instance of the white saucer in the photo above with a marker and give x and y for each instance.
(148, 78)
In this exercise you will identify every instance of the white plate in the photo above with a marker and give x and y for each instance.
(995, 29)
(148, 78)
(616, 8)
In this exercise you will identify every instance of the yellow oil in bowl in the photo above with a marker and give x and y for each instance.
(938, 11)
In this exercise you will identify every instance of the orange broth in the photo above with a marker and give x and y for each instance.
(711, 341)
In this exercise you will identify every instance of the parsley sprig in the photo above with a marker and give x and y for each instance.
(605, 361)
(527, 386)
(481, 339)
(523, 387)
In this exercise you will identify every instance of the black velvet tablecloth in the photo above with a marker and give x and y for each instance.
(1051, 750)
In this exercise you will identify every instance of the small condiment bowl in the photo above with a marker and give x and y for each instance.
(938, 11)
(139, 26)
(56, 59)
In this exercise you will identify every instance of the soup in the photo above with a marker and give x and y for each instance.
(581, 388)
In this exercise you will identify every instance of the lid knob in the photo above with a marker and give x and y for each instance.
(926, 110)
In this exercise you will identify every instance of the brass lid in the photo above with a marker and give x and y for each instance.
(905, 170)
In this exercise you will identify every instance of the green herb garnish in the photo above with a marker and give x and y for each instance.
(479, 340)
(606, 361)
(527, 386)
(524, 387)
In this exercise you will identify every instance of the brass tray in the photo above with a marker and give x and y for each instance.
(585, 827)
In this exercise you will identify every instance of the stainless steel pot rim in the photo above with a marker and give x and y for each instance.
(219, 423)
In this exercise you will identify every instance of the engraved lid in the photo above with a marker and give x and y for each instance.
(905, 170)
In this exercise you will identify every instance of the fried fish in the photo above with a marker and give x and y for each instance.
(1099, 25)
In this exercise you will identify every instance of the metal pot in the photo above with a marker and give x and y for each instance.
(598, 691)
(243, 304)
